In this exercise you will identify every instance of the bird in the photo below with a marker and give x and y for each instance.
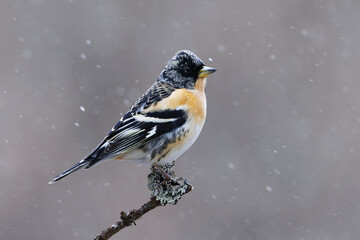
(163, 123)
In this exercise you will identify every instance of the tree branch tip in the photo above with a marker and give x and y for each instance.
(162, 193)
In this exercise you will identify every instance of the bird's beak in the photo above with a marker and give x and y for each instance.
(206, 71)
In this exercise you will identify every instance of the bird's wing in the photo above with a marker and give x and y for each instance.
(138, 127)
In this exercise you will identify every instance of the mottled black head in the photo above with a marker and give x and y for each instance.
(183, 70)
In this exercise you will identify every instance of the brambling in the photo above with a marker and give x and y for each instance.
(163, 123)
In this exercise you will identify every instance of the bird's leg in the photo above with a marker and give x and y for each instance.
(165, 174)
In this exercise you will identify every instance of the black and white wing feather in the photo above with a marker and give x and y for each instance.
(136, 128)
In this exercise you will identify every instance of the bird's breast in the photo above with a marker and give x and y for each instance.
(171, 145)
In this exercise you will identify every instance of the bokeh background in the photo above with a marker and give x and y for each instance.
(278, 157)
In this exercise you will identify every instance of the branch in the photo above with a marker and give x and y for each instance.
(163, 192)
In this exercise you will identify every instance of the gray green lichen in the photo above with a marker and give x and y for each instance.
(167, 191)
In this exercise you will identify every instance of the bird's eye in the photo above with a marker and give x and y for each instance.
(187, 72)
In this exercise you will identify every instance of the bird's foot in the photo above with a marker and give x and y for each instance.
(165, 174)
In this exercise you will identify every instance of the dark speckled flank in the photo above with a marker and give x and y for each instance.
(182, 70)
(160, 147)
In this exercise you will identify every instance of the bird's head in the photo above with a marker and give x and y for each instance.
(184, 69)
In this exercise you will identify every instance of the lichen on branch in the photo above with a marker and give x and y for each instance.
(167, 191)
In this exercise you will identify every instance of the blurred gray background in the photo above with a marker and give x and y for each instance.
(278, 157)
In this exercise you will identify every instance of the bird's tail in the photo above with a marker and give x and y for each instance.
(74, 168)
